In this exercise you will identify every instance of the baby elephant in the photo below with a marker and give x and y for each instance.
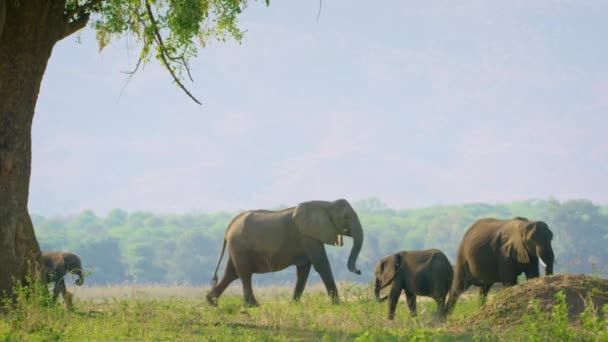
(58, 264)
(417, 273)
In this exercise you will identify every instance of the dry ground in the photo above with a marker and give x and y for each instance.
(508, 306)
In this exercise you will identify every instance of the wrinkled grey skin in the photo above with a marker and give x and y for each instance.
(498, 251)
(57, 265)
(262, 241)
(417, 273)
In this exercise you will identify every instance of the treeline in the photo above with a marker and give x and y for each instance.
(143, 247)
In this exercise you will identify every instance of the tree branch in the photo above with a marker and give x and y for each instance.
(183, 62)
(319, 13)
(163, 53)
(131, 74)
(81, 9)
(74, 25)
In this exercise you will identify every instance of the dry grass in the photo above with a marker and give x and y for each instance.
(152, 312)
(101, 293)
(180, 313)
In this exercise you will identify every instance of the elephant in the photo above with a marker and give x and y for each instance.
(417, 273)
(262, 241)
(57, 265)
(494, 250)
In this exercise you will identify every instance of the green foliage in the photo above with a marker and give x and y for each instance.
(29, 312)
(315, 318)
(144, 247)
(166, 30)
(556, 326)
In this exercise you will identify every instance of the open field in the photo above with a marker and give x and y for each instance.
(159, 291)
(180, 313)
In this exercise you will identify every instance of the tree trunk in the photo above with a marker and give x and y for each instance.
(31, 29)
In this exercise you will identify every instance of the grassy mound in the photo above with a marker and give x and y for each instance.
(511, 305)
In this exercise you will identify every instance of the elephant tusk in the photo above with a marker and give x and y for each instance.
(542, 262)
(339, 240)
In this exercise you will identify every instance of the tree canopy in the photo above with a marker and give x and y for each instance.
(168, 31)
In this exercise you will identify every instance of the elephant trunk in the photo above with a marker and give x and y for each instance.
(546, 258)
(377, 289)
(80, 279)
(357, 234)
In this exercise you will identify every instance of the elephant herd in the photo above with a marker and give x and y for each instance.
(491, 251)
(262, 241)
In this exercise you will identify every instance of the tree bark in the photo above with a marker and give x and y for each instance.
(2, 15)
(31, 29)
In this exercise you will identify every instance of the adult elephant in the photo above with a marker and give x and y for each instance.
(57, 265)
(262, 241)
(494, 251)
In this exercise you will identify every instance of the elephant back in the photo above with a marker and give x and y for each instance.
(441, 263)
(263, 231)
(431, 271)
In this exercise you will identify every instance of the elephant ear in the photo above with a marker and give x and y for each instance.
(312, 219)
(514, 246)
(541, 231)
(389, 270)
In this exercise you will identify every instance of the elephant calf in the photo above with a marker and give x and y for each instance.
(57, 265)
(417, 273)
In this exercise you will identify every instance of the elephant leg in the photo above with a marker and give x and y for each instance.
(55, 293)
(531, 270)
(509, 277)
(393, 299)
(59, 289)
(303, 272)
(229, 276)
(460, 284)
(441, 312)
(411, 302)
(315, 251)
(248, 289)
(324, 270)
(483, 293)
(510, 282)
(67, 297)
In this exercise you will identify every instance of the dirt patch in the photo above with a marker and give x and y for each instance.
(510, 305)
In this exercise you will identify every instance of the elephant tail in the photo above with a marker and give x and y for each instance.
(214, 279)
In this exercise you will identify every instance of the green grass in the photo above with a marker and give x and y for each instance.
(135, 316)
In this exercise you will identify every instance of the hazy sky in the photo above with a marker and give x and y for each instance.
(415, 102)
